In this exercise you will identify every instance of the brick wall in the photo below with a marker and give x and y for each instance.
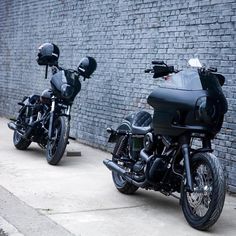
(124, 36)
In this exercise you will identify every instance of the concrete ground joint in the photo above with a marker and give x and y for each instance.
(90, 210)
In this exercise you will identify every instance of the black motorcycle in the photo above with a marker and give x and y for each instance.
(160, 152)
(45, 118)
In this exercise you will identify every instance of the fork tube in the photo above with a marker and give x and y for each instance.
(184, 142)
(51, 118)
(189, 183)
(68, 111)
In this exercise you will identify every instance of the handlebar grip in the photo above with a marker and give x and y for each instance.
(148, 70)
(158, 62)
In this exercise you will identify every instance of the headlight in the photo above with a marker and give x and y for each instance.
(205, 109)
(67, 91)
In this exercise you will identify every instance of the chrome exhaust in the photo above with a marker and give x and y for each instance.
(12, 125)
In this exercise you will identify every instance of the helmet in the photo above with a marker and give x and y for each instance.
(87, 66)
(48, 54)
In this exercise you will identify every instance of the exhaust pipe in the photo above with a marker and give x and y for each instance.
(12, 125)
(116, 168)
(144, 156)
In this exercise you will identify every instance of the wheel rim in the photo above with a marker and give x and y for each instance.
(53, 144)
(120, 181)
(17, 136)
(120, 151)
(199, 200)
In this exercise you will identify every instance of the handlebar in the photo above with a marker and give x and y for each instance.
(158, 63)
(160, 69)
(56, 68)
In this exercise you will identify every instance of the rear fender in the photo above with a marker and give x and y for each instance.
(123, 129)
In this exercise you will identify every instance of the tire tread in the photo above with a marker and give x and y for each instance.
(218, 197)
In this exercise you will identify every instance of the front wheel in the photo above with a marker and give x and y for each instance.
(203, 207)
(57, 145)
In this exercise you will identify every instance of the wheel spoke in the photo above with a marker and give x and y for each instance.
(55, 139)
(199, 200)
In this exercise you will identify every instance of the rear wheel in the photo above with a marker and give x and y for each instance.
(20, 142)
(121, 149)
(57, 145)
(203, 207)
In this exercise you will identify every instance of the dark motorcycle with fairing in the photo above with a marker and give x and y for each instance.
(159, 152)
(45, 118)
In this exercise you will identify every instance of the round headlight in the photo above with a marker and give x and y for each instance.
(205, 109)
(67, 91)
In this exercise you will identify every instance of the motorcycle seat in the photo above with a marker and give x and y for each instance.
(141, 123)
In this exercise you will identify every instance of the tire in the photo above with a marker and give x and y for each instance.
(19, 142)
(202, 209)
(121, 184)
(56, 147)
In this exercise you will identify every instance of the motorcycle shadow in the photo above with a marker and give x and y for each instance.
(37, 152)
(34, 152)
(158, 201)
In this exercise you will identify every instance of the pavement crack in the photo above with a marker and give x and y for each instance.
(90, 210)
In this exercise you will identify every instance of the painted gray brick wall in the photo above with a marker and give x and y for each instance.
(124, 36)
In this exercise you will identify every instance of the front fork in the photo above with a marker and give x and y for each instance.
(51, 118)
(67, 113)
(184, 141)
(188, 175)
(188, 182)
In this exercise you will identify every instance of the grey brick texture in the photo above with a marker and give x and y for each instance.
(124, 36)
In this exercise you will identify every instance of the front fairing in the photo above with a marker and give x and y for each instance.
(196, 80)
(65, 85)
(191, 99)
(212, 84)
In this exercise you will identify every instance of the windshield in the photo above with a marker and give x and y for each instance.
(187, 79)
(194, 78)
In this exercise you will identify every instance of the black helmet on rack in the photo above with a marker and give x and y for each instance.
(87, 66)
(48, 54)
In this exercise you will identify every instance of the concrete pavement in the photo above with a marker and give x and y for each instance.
(78, 198)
